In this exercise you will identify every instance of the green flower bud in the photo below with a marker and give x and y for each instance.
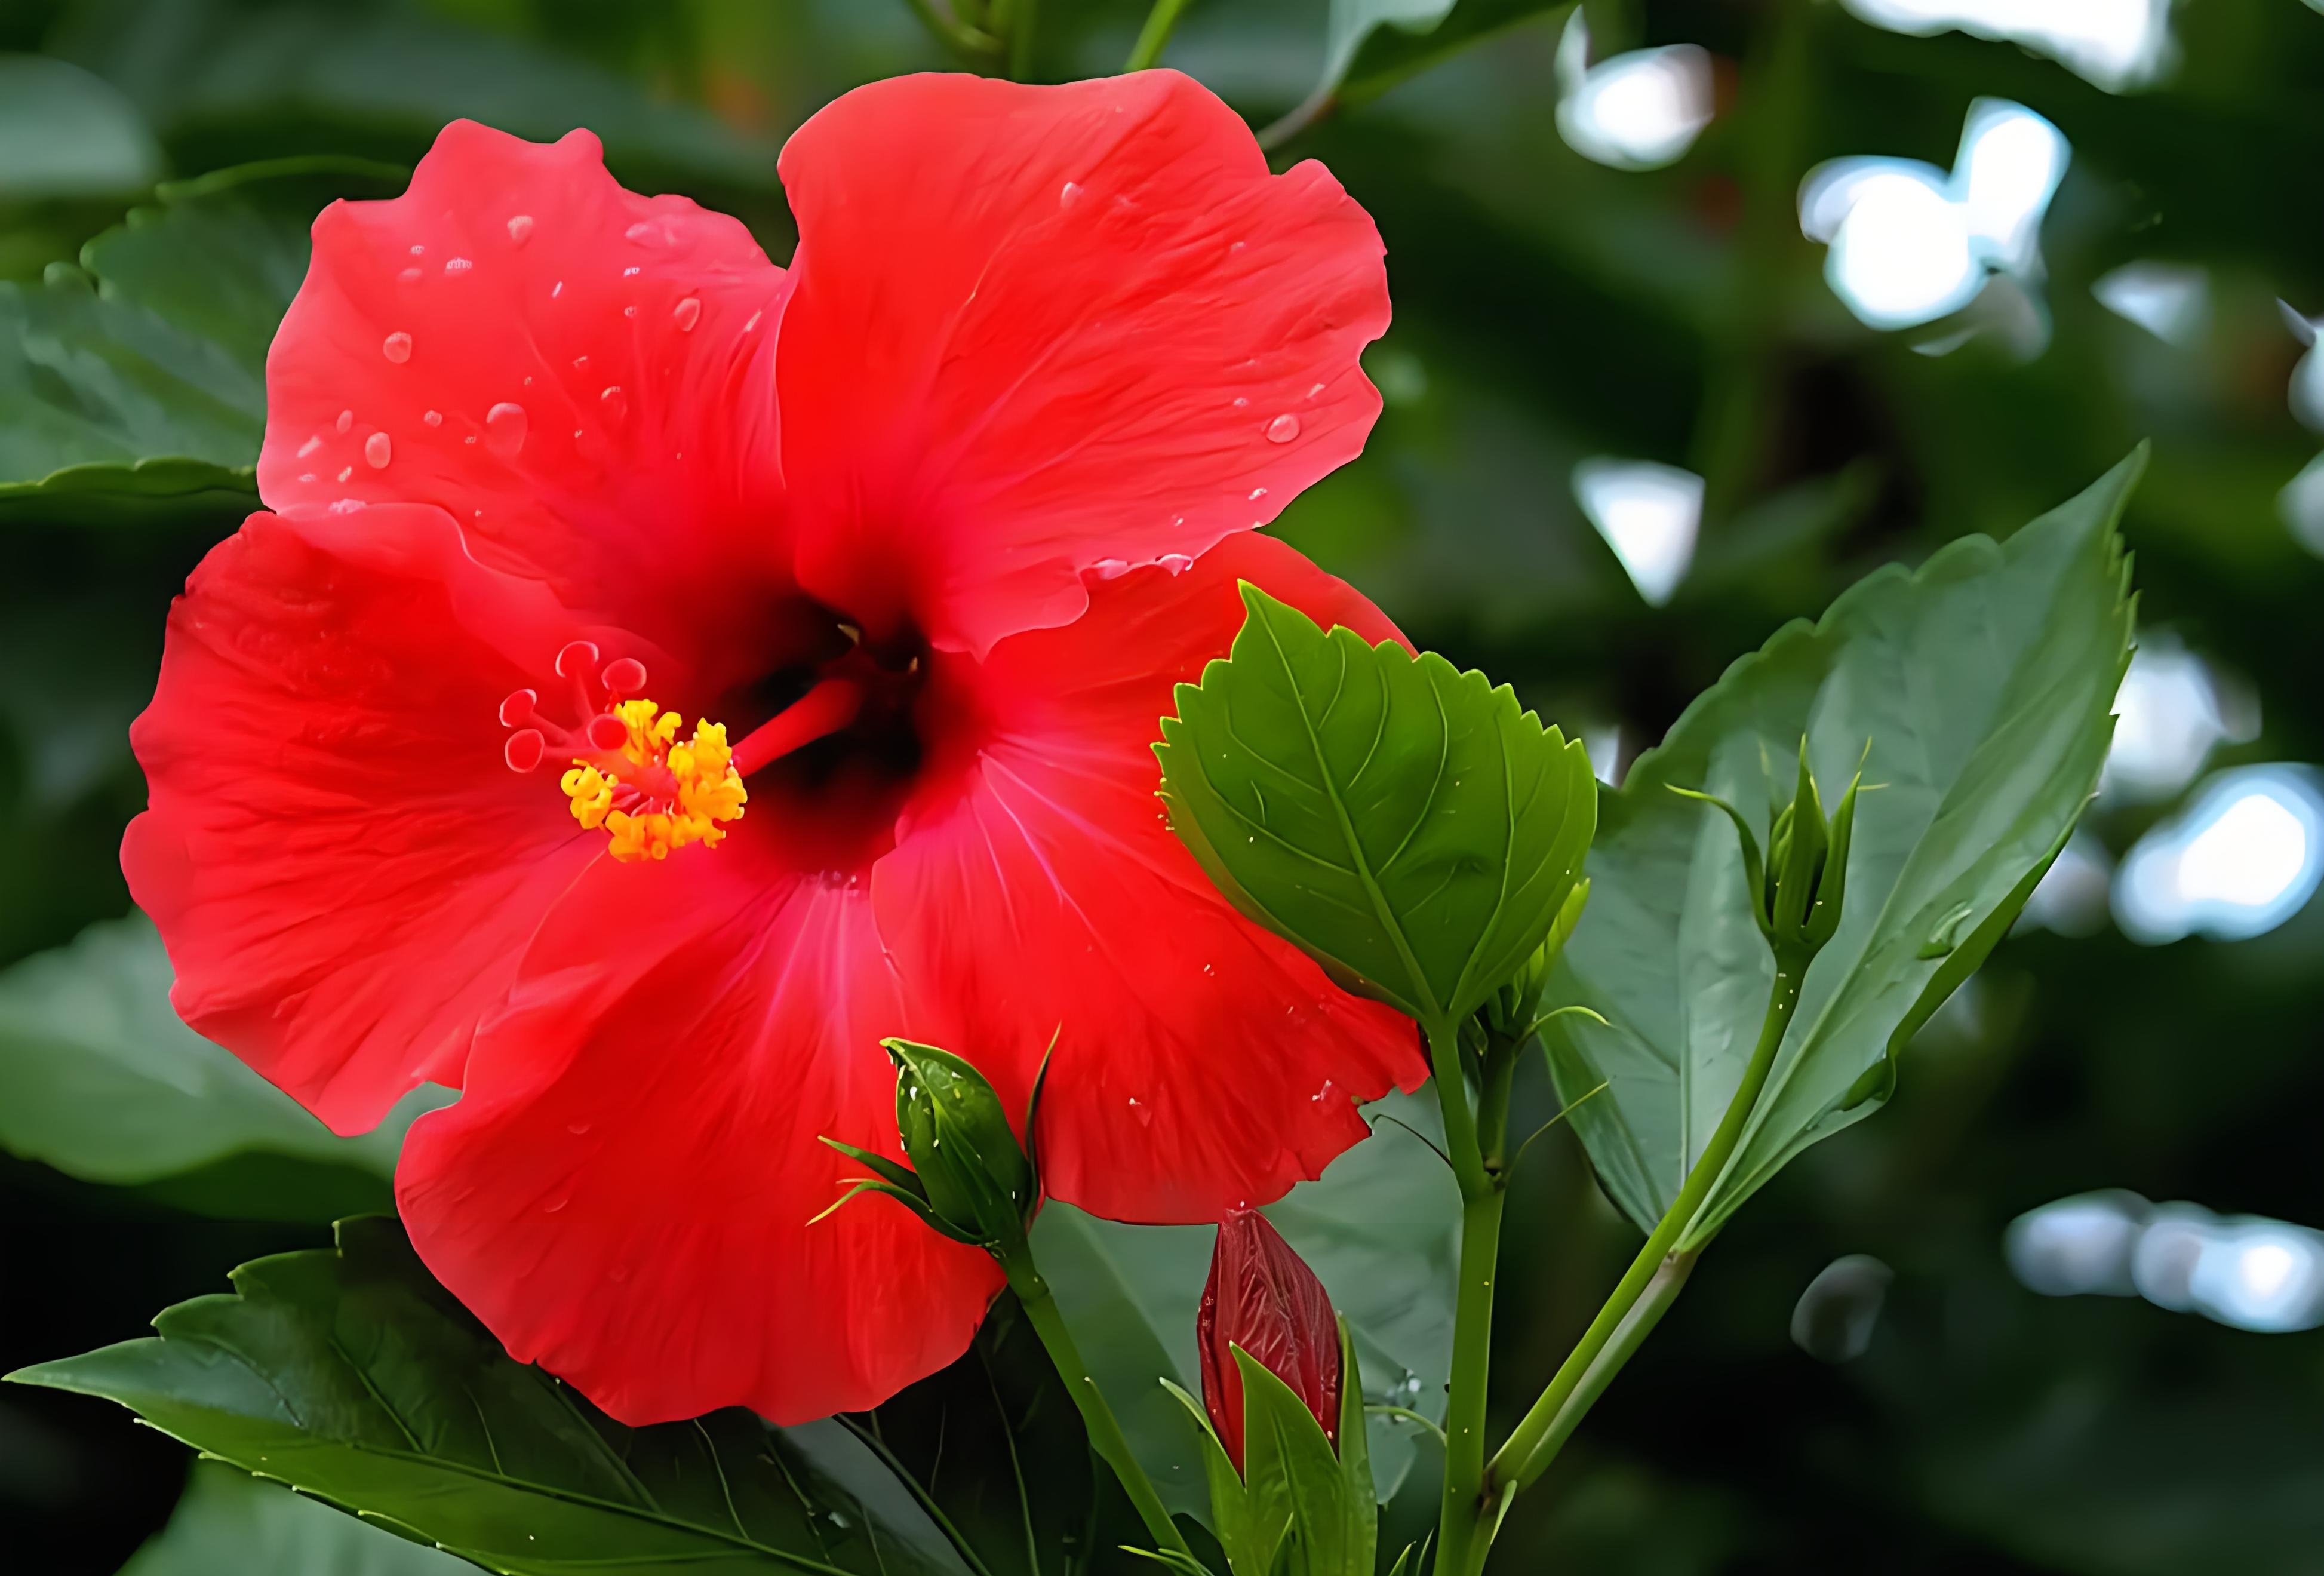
(1796, 895)
(975, 1174)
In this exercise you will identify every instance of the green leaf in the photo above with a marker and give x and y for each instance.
(229, 1524)
(326, 73)
(99, 1079)
(1984, 682)
(64, 132)
(1372, 45)
(1292, 1473)
(352, 1376)
(1381, 1229)
(1407, 824)
(143, 372)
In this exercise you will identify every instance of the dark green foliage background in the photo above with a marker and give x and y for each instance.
(1546, 309)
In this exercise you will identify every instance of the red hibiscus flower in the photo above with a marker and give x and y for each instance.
(661, 675)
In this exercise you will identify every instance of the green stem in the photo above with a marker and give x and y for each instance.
(1021, 37)
(1475, 1144)
(950, 29)
(1669, 1279)
(1522, 1458)
(1735, 401)
(1105, 1433)
(1153, 35)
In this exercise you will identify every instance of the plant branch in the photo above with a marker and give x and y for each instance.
(1475, 1144)
(1522, 1458)
(940, 20)
(1048, 1321)
(1155, 35)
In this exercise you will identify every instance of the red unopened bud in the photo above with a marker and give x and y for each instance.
(1262, 1297)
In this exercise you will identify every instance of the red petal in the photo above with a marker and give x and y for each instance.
(340, 864)
(1041, 328)
(634, 447)
(622, 1193)
(1205, 1064)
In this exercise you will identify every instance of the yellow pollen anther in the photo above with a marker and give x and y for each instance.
(656, 793)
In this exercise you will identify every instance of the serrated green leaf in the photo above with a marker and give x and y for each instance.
(230, 1523)
(352, 1376)
(1406, 824)
(1984, 682)
(1381, 1229)
(143, 372)
(99, 1078)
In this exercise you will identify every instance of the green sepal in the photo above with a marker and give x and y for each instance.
(889, 1170)
(1250, 1531)
(910, 1200)
(1287, 1461)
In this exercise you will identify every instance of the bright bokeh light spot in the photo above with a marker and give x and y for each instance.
(2244, 1271)
(2242, 860)
(1901, 256)
(1605, 747)
(2301, 504)
(2169, 300)
(2168, 719)
(1649, 514)
(2070, 899)
(1910, 244)
(2011, 161)
(2114, 43)
(1637, 111)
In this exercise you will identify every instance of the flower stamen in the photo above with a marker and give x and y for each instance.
(630, 773)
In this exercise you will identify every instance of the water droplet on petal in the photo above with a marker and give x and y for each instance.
(397, 347)
(1176, 563)
(754, 322)
(1314, 390)
(377, 450)
(310, 445)
(419, 251)
(580, 363)
(1110, 568)
(577, 1128)
(555, 1204)
(1256, 494)
(556, 289)
(1070, 194)
(629, 311)
(687, 314)
(307, 476)
(346, 505)
(616, 403)
(434, 419)
(1283, 429)
(1241, 403)
(629, 272)
(346, 420)
(1238, 246)
(520, 228)
(505, 428)
(345, 472)
(409, 276)
(455, 266)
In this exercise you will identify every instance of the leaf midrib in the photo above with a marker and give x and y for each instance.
(520, 1485)
(1359, 864)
